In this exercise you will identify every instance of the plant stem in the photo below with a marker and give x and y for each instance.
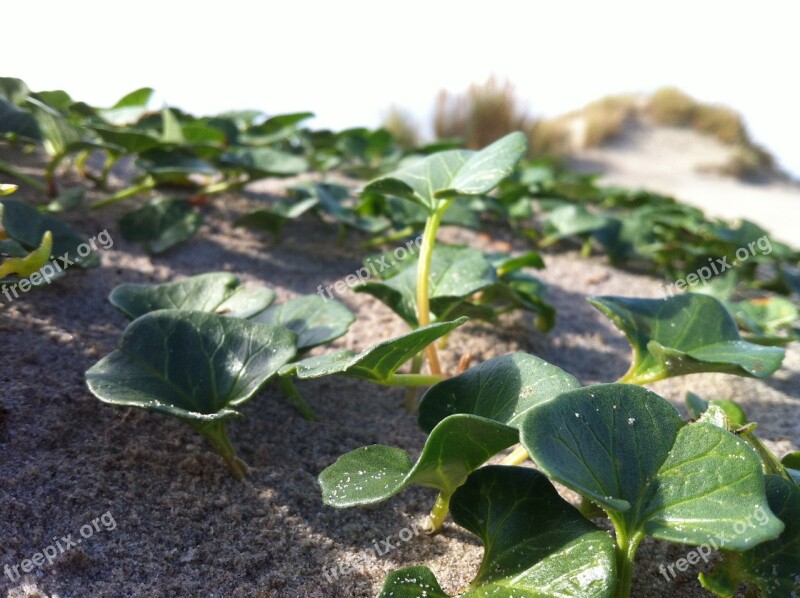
(415, 379)
(216, 435)
(22, 178)
(517, 457)
(433, 522)
(145, 185)
(625, 554)
(297, 400)
(411, 391)
(423, 280)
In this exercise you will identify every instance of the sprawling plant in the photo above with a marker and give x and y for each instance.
(624, 449)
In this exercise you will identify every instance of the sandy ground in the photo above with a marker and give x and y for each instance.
(182, 526)
(680, 162)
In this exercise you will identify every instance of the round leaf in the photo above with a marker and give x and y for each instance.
(192, 365)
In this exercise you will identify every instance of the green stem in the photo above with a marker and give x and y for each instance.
(631, 377)
(625, 555)
(415, 379)
(517, 457)
(216, 435)
(390, 238)
(22, 178)
(297, 400)
(770, 464)
(146, 185)
(423, 279)
(433, 522)
(222, 186)
(411, 391)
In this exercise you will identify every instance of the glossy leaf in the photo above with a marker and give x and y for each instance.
(773, 567)
(455, 273)
(684, 334)
(192, 365)
(161, 224)
(379, 362)
(453, 173)
(535, 543)
(195, 366)
(501, 389)
(315, 320)
(218, 292)
(457, 446)
(627, 450)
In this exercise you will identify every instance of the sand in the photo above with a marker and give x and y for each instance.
(182, 525)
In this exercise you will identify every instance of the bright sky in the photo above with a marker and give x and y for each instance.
(349, 61)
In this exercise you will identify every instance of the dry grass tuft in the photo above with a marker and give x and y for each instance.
(481, 115)
(403, 127)
(672, 107)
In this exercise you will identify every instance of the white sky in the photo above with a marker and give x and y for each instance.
(349, 61)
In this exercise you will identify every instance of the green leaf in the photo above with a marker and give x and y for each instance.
(457, 446)
(26, 225)
(536, 544)
(379, 362)
(68, 199)
(314, 319)
(733, 411)
(25, 266)
(16, 123)
(332, 201)
(192, 365)
(684, 334)
(453, 173)
(501, 389)
(218, 292)
(265, 162)
(7, 189)
(128, 109)
(792, 460)
(195, 366)
(175, 167)
(172, 131)
(57, 132)
(773, 567)
(273, 218)
(766, 316)
(161, 224)
(455, 274)
(14, 90)
(626, 449)
(571, 220)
